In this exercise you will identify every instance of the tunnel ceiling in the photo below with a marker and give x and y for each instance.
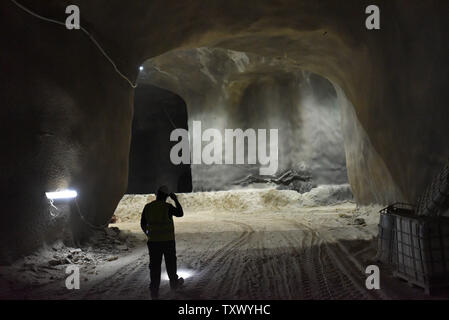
(66, 114)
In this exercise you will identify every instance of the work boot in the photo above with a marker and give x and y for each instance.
(154, 294)
(176, 284)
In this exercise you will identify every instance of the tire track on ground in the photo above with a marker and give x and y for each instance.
(301, 266)
(123, 281)
(344, 279)
(213, 281)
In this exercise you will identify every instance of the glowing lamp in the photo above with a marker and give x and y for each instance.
(64, 194)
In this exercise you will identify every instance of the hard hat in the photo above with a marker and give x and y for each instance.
(163, 189)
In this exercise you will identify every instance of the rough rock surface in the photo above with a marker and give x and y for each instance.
(288, 180)
(225, 89)
(242, 201)
(49, 263)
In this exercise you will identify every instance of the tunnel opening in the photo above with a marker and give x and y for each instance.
(238, 222)
(156, 113)
(228, 90)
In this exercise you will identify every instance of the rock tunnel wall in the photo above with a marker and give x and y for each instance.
(229, 90)
(66, 115)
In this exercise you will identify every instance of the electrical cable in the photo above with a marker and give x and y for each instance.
(83, 219)
(95, 42)
(52, 206)
(91, 225)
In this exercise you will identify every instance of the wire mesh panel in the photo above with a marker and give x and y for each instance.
(385, 238)
(417, 247)
(387, 230)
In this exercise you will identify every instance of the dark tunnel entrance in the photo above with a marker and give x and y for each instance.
(156, 113)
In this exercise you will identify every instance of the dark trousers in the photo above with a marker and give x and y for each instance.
(156, 251)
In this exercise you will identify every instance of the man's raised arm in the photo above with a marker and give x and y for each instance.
(177, 212)
(143, 222)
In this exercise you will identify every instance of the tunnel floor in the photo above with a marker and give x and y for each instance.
(274, 252)
(247, 262)
(228, 248)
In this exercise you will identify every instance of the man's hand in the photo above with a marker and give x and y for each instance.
(173, 196)
(178, 212)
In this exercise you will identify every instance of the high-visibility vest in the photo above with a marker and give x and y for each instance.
(159, 221)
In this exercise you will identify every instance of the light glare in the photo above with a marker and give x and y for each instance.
(183, 273)
(64, 194)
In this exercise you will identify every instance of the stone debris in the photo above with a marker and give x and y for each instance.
(359, 221)
(113, 219)
(55, 262)
(291, 179)
(49, 263)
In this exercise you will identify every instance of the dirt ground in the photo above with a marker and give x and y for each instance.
(248, 244)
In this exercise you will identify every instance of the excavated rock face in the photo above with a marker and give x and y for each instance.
(66, 115)
(65, 123)
(225, 89)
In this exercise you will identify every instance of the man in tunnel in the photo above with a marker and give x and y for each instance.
(157, 223)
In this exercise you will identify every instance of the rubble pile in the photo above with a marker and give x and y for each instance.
(300, 181)
(50, 262)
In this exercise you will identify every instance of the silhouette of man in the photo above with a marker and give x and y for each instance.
(157, 223)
